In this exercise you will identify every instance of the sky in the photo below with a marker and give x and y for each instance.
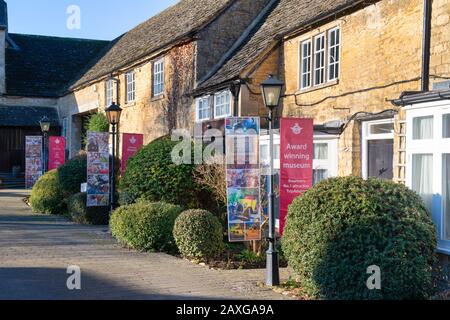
(97, 19)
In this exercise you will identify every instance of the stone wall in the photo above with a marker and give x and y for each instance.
(381, 52)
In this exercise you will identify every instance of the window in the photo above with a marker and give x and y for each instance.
(422, 181)
(203, 109)
(428, 163)
(131, 86)
(446, 126)
(109, 92)
(306, 64)
(319, 60)
(325, 159)
(222, 105)
(423, 128)
(158, 78)
(334, 42)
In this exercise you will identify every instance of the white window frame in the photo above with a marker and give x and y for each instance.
(309, 58)
(158, 77)
(330, 164)
(368, 136)
(224, 94)
(130, 86)
(109, 88)
(322, 52)
(437, 147)
(337, 46)
(198, 102)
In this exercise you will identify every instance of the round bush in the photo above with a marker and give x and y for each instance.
(198, 235)
(82, 214)
(98, 123)
(73, 174)
(151, 175)
(46, 196)
(146, 226)
(343, 226)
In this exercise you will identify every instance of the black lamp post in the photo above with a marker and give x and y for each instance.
(271, 91)
(45, 128)
(113, 112)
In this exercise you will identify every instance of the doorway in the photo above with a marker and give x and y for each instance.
(378, 149)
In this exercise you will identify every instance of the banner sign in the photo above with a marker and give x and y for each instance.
(98, 187)
(296, 162)
(57, 152)
(131, 144)
(33, 160)
(243, 179)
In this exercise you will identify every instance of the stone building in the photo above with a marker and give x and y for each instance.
(345, 64)
(34, 73)
(152, 69)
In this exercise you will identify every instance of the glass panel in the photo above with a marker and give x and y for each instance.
(446, 126)
(446, 195)
(321, 151)
(422, 178)
(319, 175)
(423, 128)
(383, 128)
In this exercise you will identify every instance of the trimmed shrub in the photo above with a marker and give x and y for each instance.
(72, 174)
(343, 226)
(146, 226)
(198, 235)
(82, 214)
(151, 175)
(46, 196)
(98, 123)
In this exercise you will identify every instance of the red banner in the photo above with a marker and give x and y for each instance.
(57, 152)
(131, 144)
(296, 162)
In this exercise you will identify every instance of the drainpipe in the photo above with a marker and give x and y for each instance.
(428, 5)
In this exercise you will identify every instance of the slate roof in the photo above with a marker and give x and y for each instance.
(12, 116)
(44, 66)
(177, 22)
(287, 16)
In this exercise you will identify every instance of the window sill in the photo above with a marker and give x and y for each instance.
(130, 104)
(319, 87)
(157, 98)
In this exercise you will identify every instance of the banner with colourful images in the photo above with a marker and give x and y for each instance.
(33, 160)
(296, 162)
(57, 152)
(98, 185)
(243, 179)
(131, 144)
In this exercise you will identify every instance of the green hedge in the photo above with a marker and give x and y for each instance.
(98, 123)
(198, 235)
(146, 226)
(82, 214)
(72, 174)
(46, 196)
(151, 175)
(341, 227)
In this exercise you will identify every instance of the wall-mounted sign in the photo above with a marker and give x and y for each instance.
(57, 152)
(131, 144)
(243, 179)
(98, 187)
(33, 160)
(296, 162)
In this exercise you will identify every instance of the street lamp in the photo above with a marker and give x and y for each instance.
(45, 128)
(271, 92)
(113, 112)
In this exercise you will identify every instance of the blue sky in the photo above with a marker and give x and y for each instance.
(100, 19)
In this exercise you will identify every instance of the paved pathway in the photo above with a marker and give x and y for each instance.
(35, 251)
